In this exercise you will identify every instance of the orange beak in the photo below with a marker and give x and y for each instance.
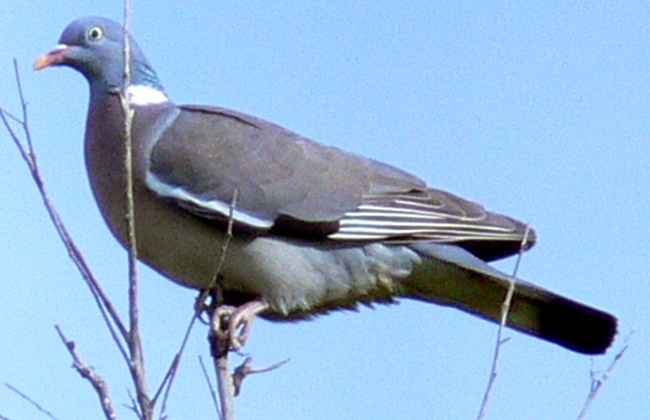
(51, 58)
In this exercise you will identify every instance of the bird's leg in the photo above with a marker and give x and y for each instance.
(243, 316)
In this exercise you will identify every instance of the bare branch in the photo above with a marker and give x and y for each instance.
(134, 405)
(505, 310)
(26, 154)
(31, 401)
(136, 364)
(108, 312)
(246, 369)
(219, 325)
(91, 376)
(219, 339)
(214, 291)
(598, 382)
(105, 306)
(213, 393)
(226, 242)
(165, 386)
(219, 336)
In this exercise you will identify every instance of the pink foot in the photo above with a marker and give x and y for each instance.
(243, 316)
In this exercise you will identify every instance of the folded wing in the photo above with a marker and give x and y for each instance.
(291, 186)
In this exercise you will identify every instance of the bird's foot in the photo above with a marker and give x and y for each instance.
(241, 320)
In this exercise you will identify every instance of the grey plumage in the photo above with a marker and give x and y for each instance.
(317, 228)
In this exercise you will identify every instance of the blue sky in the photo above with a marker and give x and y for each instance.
(539, 111)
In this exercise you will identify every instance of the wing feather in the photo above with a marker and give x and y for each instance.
(290, 186)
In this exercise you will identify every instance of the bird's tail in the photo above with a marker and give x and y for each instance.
(453, 277)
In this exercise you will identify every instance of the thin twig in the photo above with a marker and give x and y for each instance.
(90, 375)
(199, 307)
(134, 405)
(31, 401)
(213, 393)
(220, 342)
(218, 335)
(105, 306)
(597, 383)
(222, 257)
(229, 236)
(245, 369)
(135, 342)
(505, 310)
(168, 380)
(27, 155)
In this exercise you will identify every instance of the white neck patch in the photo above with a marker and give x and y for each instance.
(140, 95)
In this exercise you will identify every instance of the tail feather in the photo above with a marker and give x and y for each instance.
(453, 277)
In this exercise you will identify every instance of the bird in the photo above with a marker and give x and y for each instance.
(310, 228)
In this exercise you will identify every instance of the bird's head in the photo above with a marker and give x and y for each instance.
(94, 46)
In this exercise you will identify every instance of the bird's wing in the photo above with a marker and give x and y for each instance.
(212, 161)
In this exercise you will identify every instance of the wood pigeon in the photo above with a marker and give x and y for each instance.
(315, 228)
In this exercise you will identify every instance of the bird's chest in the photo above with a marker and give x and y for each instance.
(174, 243)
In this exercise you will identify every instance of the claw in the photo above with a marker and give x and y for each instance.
(243, 317)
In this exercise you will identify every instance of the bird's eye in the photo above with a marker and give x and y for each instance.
(95, 33)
